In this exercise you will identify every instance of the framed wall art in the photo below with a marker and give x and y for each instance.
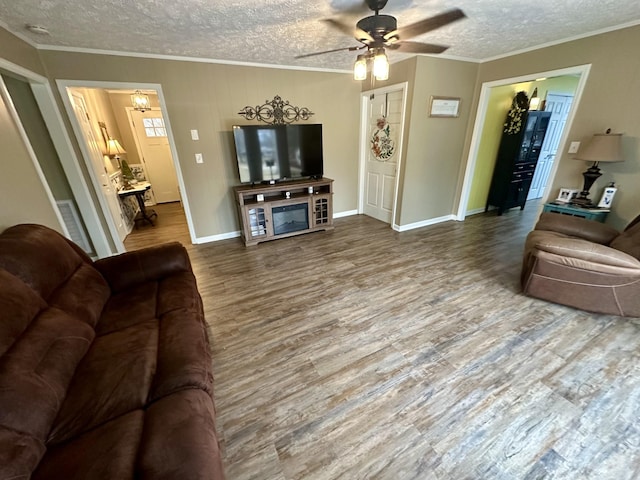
(444, 107)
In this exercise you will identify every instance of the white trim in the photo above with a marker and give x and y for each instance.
(561, 41)
(364, 139)
(71, 166)
(475, 211)
(179, 58)
(346, 213)
(216, 238)
(6, 97)
(423, 223)
(112, 230)
(19, 70)
(481, 113)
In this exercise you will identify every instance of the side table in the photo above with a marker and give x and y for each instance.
(597, 214)
(139, 189)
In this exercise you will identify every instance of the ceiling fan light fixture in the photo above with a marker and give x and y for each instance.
(140, 101)
(381, 65)
(360, 68)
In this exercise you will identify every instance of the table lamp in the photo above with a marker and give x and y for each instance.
(603, 147)
(114, 149)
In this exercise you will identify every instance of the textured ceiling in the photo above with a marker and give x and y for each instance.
(275, 31)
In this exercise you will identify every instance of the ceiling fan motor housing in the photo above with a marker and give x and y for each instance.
(378, 26)
(376, 5)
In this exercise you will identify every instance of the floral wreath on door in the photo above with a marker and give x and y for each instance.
(383, 146)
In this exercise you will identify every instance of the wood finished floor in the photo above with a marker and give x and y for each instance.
(366, 353)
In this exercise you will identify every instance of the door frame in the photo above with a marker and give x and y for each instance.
(63, 85)
(52, 116)
(89, 164)
(364, 140)
(478, 127)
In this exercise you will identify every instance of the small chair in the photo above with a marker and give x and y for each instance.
(584, 264)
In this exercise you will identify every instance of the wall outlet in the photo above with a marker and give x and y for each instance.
(199, 158)
(574, 147)
(194, 135)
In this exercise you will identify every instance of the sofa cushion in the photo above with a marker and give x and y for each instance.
(36, 371)
(83, 295)
(179, 439)
(118, 370)
(19, 305)
(105, 453)
(127, 308)
(574, 250)
(41, 257)
(19, 454)
(182, 350)
(629, 241)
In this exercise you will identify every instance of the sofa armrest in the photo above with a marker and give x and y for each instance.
(588, 255)
(577, 227)
(148, 264)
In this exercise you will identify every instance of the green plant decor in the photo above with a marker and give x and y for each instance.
(126, 171)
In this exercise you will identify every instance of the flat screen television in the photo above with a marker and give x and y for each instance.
(272, 153)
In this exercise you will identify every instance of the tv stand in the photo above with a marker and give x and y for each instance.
(270, 212)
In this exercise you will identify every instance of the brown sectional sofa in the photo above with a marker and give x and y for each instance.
(105, 371)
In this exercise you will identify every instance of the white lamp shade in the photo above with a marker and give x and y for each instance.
(381, 66)
(603, 147)
(360, 68)
(114, 148)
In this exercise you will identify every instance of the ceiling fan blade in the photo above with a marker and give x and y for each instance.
(359, 7)
(426, 25)
(351, 49)
(416, 47)
(338, 25)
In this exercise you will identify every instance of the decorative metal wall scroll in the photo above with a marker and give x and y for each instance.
(276, 112)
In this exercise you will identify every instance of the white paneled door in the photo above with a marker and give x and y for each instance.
(153, 145)
(384, 118)
(559, 106)
(96, 154)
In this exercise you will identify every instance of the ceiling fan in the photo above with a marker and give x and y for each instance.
(377, 32)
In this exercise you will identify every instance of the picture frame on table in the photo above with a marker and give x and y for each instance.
(566, 195)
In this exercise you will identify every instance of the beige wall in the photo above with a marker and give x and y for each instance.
(434, 147)
(610, 100)
(207, 97)
(19, 53)
(22, 195)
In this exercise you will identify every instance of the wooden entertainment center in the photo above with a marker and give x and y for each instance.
(284, 209)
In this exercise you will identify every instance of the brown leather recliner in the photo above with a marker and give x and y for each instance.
(584, 264)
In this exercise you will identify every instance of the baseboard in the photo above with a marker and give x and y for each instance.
(423, 223)
(348, 213)
(216, 238)
(475, 211)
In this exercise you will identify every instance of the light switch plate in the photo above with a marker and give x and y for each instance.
(199, 158)
(573, 147)
(194, 135)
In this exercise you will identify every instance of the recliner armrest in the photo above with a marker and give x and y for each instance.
(577, 227)
(589, 255)
(147, 264)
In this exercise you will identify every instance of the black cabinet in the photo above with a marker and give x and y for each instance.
(516, 163)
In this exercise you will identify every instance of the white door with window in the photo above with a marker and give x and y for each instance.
(559, 106)
(153, 146)
(382, 145)
(97, 162)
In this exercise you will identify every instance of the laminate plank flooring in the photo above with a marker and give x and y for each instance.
(367, 353)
